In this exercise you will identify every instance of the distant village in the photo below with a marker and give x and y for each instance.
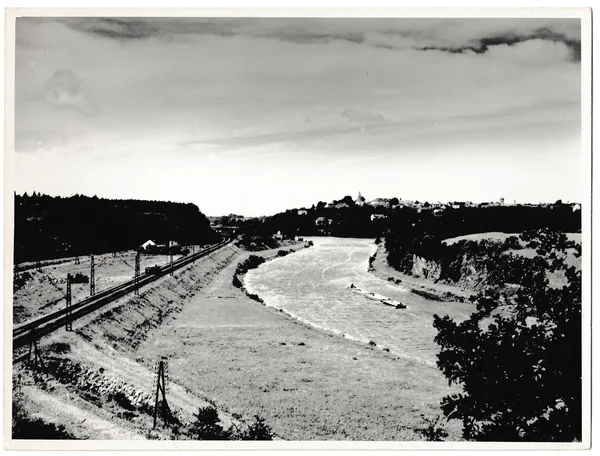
(379, 208)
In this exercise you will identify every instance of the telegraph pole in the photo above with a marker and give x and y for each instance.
(171, 255)
(33, 347)
(92, 278)
(161, 390)
(69, 325)
(137, 274)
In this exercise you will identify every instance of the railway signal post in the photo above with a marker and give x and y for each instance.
(136, 291)
(92, 278)
(69, 325)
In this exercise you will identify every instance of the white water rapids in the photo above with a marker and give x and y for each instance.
(312, 286)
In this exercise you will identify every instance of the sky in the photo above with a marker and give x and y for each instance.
(256, 115)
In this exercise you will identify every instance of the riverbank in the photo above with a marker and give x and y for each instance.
(423, 288)
(306, 383)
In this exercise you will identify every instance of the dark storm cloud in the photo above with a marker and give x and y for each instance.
(482, 45)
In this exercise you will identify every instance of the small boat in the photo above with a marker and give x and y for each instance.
(391, 302)
(377, 297)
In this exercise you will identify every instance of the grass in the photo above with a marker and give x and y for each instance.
(492, 235)
(306, 384)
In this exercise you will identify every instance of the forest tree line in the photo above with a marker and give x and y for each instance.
(48, 227)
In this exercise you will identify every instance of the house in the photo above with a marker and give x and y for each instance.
(148, 243)
(576, 207)
(320, 221)
(278, 235)
(384, 202)
(341, 205)
(302, 212)
(377, 216)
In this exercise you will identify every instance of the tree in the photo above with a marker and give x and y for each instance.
(520, 369)
(207, 426)
(348, 200)
(258, 430)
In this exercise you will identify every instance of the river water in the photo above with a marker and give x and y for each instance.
(312, 286)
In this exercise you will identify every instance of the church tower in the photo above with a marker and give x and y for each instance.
(360, 200)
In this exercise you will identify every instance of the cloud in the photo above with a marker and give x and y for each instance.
(362, 117)
(425, 34)
(64, 90)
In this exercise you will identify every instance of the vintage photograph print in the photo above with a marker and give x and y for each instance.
(343, 230)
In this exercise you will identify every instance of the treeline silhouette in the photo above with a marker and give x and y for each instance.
(49, 227)
(407, 224)
(412, 233)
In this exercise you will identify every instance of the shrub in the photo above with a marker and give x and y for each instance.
(24, 427)
(532, 391)
(432, 431)
(236, 281)
(255, 297)
(258, 430)
(122, 400)
(207, 427)
(252, 262)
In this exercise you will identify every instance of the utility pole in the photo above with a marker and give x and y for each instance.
(161, 390)
(92, 278)
(136, 279)
(171, 254)
(33, 347)
(69, 325)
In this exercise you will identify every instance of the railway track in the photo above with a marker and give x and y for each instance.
(33, 330)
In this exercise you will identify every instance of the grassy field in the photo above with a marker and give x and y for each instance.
(306, 383)
(498, 236)
(492, 235)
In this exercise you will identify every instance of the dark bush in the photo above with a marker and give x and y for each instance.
(252, 262)
(258, 430)
(122, 400)
(207, 426)
(236, 281)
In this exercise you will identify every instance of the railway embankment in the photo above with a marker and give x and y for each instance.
(91, 384)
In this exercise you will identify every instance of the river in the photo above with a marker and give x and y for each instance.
(312, 286)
